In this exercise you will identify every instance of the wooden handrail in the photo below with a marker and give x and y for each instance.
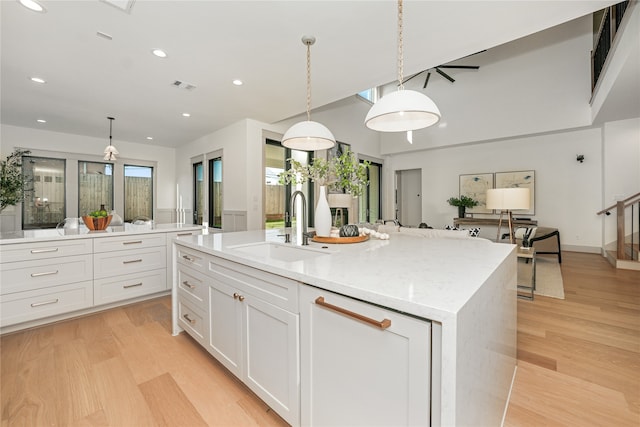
(628, 201)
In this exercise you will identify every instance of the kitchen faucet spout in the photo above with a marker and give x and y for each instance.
(301, 226)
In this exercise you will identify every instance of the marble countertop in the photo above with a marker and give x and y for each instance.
(431, 278)
(83, 232)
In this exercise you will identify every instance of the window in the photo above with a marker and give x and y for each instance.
(370, 95)
(198, 192)
(138, 192)
(44, 207)
(277, 196)
(215, 192)
(370, 203)
(95, 186)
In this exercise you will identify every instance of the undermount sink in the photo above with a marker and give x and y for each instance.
(277, 251)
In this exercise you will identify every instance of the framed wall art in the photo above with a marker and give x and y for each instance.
(519, 179)
(476, 186)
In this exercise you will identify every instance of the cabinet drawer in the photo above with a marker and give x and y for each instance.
(36, 304)
(108, 264)
(182, 234)
(191, 320)
(192, 286)
(29, 275)
(191, 258)
(277, 290)
(138, 241)
(44, 250)
(128, 286)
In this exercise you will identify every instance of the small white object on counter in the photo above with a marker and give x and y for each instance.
(364, 231)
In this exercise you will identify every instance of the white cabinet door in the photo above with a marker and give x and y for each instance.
(355, 373)
(257, 341)
(225, 316)
(271, 356)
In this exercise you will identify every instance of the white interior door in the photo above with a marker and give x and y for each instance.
(409, 197)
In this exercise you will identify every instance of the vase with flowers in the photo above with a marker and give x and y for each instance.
(342, 173)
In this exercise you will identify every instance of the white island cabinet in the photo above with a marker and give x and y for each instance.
(407, 331)
(351, 348)
(248, 320)
(48, 275)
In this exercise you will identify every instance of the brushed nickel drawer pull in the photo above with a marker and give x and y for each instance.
(38, 304)
(383, 324)
(188, 258)
(133, 242)
(42, 251)
(46, 273)
(132, 286)
(188, 285)
(183, 234)
(188, 319)
(132, 261)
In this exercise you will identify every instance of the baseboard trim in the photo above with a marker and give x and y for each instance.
(586, 249)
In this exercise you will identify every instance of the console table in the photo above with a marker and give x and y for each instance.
(492, 221)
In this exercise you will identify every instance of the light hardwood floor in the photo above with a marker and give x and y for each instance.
(579, 364)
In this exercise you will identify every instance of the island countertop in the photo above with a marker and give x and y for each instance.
(432, 278)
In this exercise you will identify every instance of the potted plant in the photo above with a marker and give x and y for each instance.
(462, 203)
(343, 173)
(13, 184)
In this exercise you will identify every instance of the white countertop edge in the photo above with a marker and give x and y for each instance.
(440, 312)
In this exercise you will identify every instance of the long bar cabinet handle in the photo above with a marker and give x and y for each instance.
(188, 258)
(183, 234)
(132, 261)
(132, 242)
(46, 273)
(132, 286)
(38, 304)
(188, 319)
(42, 251)
(382, 324)
(188, 285)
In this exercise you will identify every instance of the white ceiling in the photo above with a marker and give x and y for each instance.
(210, 43)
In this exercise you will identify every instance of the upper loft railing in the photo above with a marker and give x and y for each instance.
(609, 25)
(629, 205)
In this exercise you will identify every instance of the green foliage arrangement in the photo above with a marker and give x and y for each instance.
(464, 201)
(13, 184)
(342, 173)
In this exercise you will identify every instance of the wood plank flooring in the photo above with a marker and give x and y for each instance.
(579, 358)
(579, 364)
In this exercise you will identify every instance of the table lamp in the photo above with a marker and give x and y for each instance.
(507, 200)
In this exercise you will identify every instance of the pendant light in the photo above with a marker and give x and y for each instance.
(308, 135)
(110, 152)
(403, 110)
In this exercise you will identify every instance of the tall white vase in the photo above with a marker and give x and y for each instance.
(322, 218)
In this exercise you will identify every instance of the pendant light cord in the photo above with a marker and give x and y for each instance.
(110, 128)
(309, 43)
(400, 53)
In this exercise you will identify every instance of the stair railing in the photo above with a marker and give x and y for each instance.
(609, 25)
(632, 202)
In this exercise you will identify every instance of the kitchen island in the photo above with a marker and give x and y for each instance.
(436, 343)
(49, 275)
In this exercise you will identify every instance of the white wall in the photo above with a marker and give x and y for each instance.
(568, 193)
(537, 84)
(621, 165)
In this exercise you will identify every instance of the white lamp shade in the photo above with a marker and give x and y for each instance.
(508, 198)
(339, 200)
(308, 136)
(403, 110)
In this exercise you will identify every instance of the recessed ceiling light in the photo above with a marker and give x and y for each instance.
(186, 115)
(104, 35)
(41, 121)
(159, 53)
(150, 138)
(37, 80)
(237, 82)
(32, 5)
